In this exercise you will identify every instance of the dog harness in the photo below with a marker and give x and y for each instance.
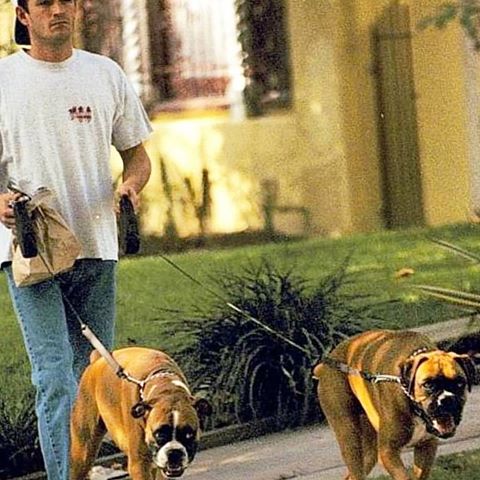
(375, 378)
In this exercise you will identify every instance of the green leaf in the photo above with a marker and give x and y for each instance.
(454, 296)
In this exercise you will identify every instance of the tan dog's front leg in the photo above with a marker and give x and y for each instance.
(140, 470)
(139, 460)
(423, 458)
(391, 460)
(86, 433)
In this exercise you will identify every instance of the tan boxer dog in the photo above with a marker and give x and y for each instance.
(156, 424)
(376, 420)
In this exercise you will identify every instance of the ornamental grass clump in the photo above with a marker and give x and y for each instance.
(19, 444)
(466, 300)
(255, 347)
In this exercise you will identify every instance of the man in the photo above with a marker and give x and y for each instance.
(60, 111)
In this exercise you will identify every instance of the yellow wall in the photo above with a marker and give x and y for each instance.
(439, 70)
(6, 24)
(324, 150)
(442, 118)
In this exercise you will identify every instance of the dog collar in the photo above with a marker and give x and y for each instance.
(420, 350)
(141, 407)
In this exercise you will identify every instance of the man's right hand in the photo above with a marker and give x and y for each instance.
(6, 210)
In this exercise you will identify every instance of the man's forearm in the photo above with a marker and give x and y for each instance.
(136, 167)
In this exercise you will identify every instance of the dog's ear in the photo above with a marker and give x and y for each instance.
(203, 407)
(467, 364)
(140, 409)
(408, 372)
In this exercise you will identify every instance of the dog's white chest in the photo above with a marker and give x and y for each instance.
(419, 433)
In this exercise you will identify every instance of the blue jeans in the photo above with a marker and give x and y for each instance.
(57, 350)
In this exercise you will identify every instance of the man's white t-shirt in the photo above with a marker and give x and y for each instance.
(57, 124)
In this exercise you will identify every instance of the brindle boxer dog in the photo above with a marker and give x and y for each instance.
(156, 424)
(376, 420)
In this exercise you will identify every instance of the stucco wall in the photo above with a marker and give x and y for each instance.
(6, 23)
(324, 150)
(335, 77)
(441, 95)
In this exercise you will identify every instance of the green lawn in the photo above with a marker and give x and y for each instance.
(458, 466)
(152, 295)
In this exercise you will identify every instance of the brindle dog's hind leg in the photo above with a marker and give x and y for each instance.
(343, 411)
(369, 445)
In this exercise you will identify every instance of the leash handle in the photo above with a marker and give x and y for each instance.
(25, 234)
(129, 235)
(24, 229)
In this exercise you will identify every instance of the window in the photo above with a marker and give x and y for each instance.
(203, 50)
(201, 53)
(194, 48)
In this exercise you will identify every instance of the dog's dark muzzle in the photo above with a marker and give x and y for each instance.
(172, 459)
(446, 414)
(176, 463)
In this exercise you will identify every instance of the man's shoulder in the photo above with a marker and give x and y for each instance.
(10, 70)
(98, 61)
(8, 62)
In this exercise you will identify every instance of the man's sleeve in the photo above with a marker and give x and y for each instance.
(3, 167)
(131, 124)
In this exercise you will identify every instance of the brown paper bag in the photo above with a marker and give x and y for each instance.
(58, 248)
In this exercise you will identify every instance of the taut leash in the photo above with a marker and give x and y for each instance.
(368, 376)
(233, 307)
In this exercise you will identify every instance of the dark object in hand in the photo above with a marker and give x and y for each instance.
(24, 232)
(129, 237)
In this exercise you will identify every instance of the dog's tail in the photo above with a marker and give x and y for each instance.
(94, 356)
(316, 371)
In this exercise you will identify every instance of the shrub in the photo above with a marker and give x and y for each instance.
(19, 444)
(255, 370)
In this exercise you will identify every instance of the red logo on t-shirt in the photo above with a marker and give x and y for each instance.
(80, 114)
